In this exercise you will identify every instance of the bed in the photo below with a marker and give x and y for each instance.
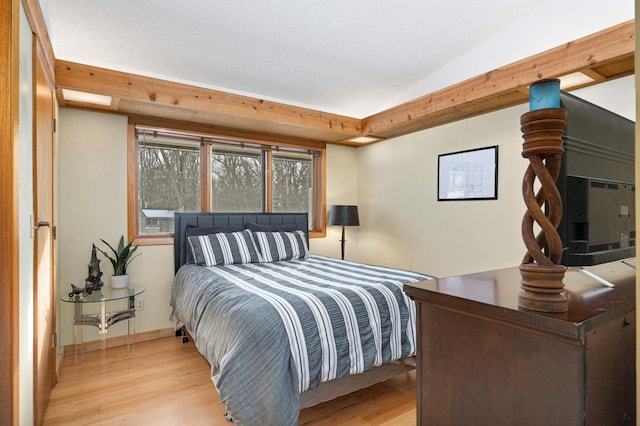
(283, 329)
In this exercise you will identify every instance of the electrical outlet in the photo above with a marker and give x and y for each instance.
(140, 304)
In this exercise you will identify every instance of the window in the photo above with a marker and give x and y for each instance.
(236, 179)
(173, 171)
(291, 182)
(168, 172)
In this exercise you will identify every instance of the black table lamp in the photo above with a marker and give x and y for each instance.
(345, 216)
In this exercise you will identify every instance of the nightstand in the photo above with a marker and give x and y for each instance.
(103, 320)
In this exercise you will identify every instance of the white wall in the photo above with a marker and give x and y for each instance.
(92, 203)
(403, 224)
(25, 214)
(341, 188)
(616, 95)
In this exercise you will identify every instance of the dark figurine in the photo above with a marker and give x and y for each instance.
(75, 291)
(93, 281)
(94, 271)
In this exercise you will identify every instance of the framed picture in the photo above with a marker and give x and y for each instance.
(468, 175)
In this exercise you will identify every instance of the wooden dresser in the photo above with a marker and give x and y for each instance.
(483, 361)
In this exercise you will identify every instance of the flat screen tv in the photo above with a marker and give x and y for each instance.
(597, 185)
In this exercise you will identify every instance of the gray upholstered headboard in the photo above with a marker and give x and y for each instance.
(183, 220)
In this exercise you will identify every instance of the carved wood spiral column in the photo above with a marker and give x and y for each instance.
(541, 270)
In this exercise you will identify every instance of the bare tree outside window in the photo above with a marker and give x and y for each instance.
(169, 181)
(292, 183)
(236, 181)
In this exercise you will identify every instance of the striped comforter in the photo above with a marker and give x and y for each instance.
(273, 330)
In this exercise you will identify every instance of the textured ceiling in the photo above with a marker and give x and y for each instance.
(350, 57)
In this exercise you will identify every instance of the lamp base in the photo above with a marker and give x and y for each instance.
(542, 288)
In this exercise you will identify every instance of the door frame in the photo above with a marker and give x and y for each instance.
(9, 266)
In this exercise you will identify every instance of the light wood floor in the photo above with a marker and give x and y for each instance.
(166, 382)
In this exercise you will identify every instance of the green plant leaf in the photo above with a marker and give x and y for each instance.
(122, 256)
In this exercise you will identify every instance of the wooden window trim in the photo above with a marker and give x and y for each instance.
(266, 182)
(319, 228)
(205, 179)
(319, 179)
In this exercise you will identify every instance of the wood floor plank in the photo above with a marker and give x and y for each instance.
(166, 382)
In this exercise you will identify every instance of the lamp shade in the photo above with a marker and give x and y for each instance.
(344, 215)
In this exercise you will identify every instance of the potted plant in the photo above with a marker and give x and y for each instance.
(120, 261)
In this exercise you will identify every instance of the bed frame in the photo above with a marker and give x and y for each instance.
(326, 391)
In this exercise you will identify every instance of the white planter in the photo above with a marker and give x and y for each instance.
(119, 281)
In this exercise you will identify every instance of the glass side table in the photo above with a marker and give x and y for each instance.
(103, 320)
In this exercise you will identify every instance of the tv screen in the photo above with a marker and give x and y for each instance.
(597, 185)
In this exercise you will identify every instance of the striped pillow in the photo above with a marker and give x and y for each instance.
(275, 246)
(223, 248)
(191, 231)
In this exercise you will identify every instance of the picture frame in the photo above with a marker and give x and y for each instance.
(468, 175)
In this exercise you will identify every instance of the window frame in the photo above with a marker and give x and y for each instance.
(267, 144)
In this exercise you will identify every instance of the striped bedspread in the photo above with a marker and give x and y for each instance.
(273, 330)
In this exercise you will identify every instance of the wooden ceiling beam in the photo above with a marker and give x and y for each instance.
(606, 55)
(149, 96)
(507, 86)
